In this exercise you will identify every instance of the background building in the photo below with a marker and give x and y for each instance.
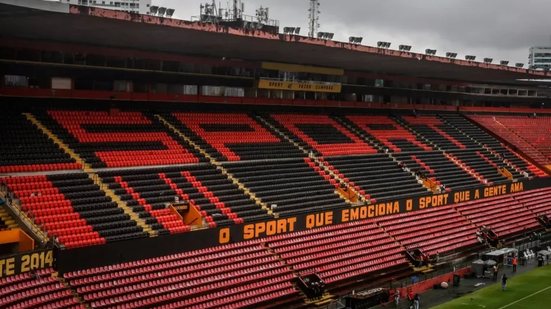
(540, 57)
(138, 6)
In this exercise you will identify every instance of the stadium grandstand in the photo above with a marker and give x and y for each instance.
(148, 162)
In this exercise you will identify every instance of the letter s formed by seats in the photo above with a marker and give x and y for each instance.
(123, 138)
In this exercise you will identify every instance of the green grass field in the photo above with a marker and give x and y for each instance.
(525, 291)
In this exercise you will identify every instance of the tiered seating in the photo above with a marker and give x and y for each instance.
(233, 136)
(488, 170)
(432, 128)
(493, 148)
(117, 139)
(71, 208)
(391, 134)
(38, 290)
(243, 274)
(377, 175)
(149, 190)
(321, 134)
(437, 165)
(434, 230)
(537, 201)
(530, 134)
(340, 252)
(503, 214)
(290, 183)
(26, 149)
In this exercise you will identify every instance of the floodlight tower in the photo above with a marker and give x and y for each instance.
(313, 17)
(238, 9)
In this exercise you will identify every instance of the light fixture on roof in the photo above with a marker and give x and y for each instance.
(297, 30)
(451, 55)
(153, 9)
(325, 35)
(431, 52)
(504, 62)
(470, 57)
(169, 12)
(404, 48)
(382, 44)
(519, 65)
(488, 60)
(290, 30)
(355, 39)
(162, 11)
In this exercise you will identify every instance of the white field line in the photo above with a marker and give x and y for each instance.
(525, 297)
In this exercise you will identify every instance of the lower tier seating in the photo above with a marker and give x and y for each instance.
(71, 208)
(340, 252)
(40, 289)
(435, 230)
(537, 201)
(237, 275)
(291, 184)
(503, 214)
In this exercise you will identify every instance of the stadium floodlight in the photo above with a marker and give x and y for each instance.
(355, 39)
(153, 9)
(289, 30)
(325, 35)
(431, 52)
(382, 44)
(504, 62)
(470, 57)
(488, 60)
(404, 48)
(519, 65)
(162, 11)
(169, 12)
(297, 30)
(451, 55)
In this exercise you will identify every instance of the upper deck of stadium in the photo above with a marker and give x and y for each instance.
(60, 22)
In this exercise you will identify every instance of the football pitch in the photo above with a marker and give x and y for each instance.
(525, 291)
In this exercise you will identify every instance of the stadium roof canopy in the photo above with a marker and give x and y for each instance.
(55, 21)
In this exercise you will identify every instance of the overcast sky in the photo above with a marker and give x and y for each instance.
(501, 29)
